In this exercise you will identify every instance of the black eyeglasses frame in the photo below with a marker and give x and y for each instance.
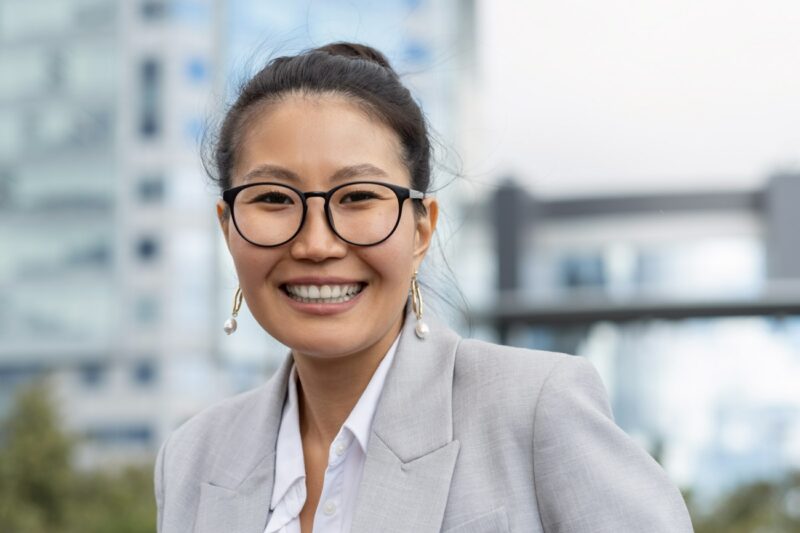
(402, 194)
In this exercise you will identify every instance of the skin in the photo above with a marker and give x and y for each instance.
(314, 137)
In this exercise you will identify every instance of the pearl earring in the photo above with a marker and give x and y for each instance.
(421, 328)
(230, 324)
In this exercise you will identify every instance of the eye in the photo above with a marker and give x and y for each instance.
(274, 198)
(358, 196)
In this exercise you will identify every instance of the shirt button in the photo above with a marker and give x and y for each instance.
(340, 448)
(329, 508)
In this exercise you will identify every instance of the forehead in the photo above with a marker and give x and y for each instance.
(314, 136)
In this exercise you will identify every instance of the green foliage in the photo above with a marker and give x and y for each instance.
(114, 502)
(762, 506)
(40, 491)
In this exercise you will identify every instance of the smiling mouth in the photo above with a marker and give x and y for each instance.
(323, 294)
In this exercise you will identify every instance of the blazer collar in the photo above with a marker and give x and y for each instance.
(411, 452)
(410, 456)
(414, 416)
(239, 490)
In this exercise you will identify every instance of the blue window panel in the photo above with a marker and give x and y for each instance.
(92, 375)
(191, 12)
(144, 373)
(153, 10)
(587, 271)
(197, 70)
(120, 435)
(416, 52)
(193, 128)
(147, 249)
(18, 375)
(150, 80)
(151, 189)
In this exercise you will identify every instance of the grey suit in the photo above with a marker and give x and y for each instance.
(468, 437)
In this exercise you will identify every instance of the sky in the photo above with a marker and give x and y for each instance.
(583, 97)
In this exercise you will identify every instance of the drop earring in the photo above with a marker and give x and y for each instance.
(421, 328)
(230, 324)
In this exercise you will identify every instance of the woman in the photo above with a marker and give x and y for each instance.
(380, 419)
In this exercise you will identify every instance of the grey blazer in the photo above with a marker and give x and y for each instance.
(468, 437)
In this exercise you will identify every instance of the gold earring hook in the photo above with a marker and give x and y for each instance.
(237, 302)
(416, 297)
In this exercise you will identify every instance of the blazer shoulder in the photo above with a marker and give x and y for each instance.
(517, 367)
(231, 422)
(504, 380)
(225, 413)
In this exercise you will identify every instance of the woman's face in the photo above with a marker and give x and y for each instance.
(310, 142)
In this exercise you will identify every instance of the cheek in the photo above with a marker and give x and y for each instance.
(252, 263)
(393, 260)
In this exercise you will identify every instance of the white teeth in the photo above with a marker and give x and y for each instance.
(323, 293)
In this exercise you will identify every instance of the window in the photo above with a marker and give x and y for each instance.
(94, 254)
(119, 434)
(12, 375)
(150, 189)
(197, 70)
(150, 84)
(6, 188)
(144, 373)
(153, 10)
(147, 310)
(582, 271)
(92, 374)
(147, 249)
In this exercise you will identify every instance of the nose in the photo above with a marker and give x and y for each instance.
(317, 241)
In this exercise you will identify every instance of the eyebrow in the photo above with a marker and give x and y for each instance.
(277, 172)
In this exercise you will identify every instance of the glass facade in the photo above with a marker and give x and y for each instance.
(57, 175)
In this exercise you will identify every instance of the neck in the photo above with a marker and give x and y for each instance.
(328, 388)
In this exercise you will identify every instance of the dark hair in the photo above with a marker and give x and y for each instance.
(354, 70)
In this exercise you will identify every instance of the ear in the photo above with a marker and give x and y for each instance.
(425, 226)
(224, 217)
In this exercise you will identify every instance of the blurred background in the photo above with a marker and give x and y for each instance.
(620, 181)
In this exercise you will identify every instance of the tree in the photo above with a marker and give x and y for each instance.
(759, 506)
(40, 491)
(35, 471)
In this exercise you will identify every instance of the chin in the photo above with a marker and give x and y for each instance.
(326, 336)
(325, 347)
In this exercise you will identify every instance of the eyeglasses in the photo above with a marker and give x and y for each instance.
(362, 213)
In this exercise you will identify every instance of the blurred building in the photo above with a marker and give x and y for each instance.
(113, 276)
(101, 102)
(688, 305)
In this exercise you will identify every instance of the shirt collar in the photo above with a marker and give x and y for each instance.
(290, 462)
(359, 421)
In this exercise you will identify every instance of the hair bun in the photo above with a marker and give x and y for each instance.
(357, 51)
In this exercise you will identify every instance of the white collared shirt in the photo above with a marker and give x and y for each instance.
(346, 458)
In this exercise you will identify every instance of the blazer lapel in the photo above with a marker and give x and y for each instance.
(411, 452)
(238, 493)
